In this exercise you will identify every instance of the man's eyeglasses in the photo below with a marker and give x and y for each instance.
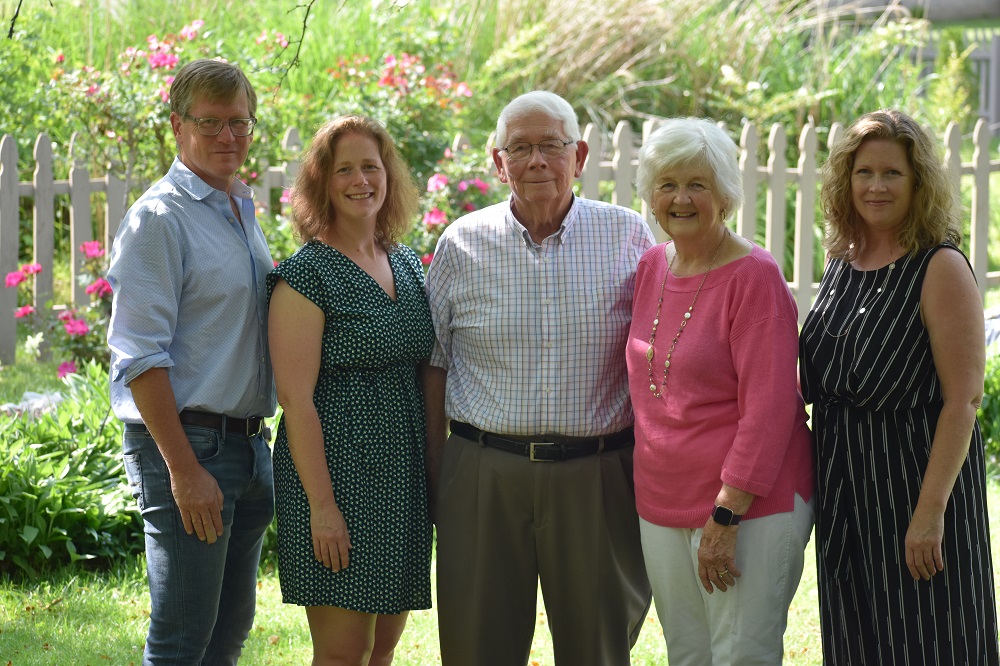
(521, 150)
(213, 126)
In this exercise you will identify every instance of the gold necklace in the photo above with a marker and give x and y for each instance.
(658, 392)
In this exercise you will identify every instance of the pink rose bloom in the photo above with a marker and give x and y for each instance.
(448, 153)
(262, 37)
(60, 58)
(463, 90)
(23, 311)
(427, 259)
(66, 368)
(76, 327)
(286, 196)
(15, 278)
(435, 216)
(31, 269)
(463, 186)
(100, 287)
(469, 207)
(65, 315)
(483, 187)
(190, 32)
(390, 60)
(437, 182)
(92, 249)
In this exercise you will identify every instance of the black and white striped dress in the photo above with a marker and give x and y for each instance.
(867, 368)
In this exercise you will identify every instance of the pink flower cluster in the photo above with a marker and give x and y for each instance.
(434, 217)
(190, 32)
(71, 324)
(66, 368)
(437, 182)
(99, 288)
(279, 38)
(92, 249)
(476, 182)
(15, 278)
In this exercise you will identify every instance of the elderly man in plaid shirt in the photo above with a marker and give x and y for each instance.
(531, 300)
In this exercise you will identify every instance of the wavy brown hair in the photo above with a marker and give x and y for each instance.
(311, 205)
(932, 218)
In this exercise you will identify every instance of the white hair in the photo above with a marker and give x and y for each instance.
(542, 101)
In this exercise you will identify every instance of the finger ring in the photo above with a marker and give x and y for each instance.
(724, 572)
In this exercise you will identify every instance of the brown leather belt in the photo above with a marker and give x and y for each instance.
(545, 451)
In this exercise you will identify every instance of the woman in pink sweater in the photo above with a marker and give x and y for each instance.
(723, 458)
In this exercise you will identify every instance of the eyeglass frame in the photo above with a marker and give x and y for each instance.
(198, 125)
(531, 148)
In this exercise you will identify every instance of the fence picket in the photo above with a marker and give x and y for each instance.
(611, 160)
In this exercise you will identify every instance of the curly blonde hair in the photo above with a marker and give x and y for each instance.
(931, 219)
(311, 205)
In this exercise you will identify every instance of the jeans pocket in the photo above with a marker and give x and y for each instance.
(133, 472)
(205, 442)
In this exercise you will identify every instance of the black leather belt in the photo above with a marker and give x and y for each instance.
(230, 425)
(545, 451)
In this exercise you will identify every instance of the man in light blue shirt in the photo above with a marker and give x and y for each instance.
(190, 373)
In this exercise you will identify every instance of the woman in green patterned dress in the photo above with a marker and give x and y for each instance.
(349, 330)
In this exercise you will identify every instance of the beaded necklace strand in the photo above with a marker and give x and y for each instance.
(658, 392)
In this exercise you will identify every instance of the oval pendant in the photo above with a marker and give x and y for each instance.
(649, 353)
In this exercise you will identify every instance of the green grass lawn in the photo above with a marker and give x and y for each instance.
(85, 618)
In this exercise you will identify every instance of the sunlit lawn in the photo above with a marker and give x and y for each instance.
(96, 619)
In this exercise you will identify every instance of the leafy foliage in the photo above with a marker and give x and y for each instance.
(989, 411)
(462, 183)
(76, 335)
(62, 495)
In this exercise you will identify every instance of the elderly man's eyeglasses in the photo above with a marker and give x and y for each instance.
(521, 150)
(213, 126)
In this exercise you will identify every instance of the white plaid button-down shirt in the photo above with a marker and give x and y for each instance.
(533, 335)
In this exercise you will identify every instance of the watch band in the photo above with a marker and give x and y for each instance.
(725, 516)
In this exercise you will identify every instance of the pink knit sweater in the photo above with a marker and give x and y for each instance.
(731, 410)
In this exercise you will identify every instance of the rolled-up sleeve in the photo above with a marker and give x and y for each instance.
(147, 276)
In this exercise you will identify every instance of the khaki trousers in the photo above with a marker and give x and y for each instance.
(504, 523)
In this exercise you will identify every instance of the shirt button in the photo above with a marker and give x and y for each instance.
(548, 345)
(546, 301)
(548, 390)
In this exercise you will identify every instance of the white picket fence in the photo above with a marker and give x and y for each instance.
(613, 159)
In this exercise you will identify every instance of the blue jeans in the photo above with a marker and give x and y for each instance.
(202, 595)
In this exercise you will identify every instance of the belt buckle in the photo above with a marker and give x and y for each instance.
(531, 451)
(260, 423)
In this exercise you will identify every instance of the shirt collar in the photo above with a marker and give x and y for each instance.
(198, 189)
(565, 228)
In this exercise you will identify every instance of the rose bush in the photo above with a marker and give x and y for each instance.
(74, 335)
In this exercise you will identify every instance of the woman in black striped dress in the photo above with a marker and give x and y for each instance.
(892, 359)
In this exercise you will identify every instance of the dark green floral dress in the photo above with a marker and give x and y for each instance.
(371, 409)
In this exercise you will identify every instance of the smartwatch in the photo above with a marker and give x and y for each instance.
(724, 516)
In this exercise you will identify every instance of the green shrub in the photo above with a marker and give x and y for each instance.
(989, 412)
(62, 493)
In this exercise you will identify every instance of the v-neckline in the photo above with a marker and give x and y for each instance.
(392, 271)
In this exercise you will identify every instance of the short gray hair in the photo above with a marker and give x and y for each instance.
(542, 101)
(691, 142)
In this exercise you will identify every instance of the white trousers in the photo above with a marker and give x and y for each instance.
(745, 625)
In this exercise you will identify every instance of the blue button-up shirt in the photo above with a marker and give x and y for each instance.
(189, 295)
